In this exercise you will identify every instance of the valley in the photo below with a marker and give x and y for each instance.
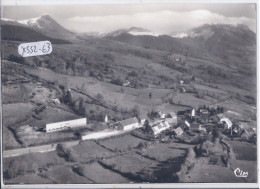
(119, 76)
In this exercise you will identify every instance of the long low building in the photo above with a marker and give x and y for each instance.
(52, 127)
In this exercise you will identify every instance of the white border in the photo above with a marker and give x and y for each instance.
(73, 2)
(168, 185)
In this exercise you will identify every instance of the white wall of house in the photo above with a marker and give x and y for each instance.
(131, 126)
(52, 127)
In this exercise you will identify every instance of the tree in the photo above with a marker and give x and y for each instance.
(150, 95)
(15, 58)
(136, 111)
(81, 109)
(133, 74)
(68, 98)
(100, 97)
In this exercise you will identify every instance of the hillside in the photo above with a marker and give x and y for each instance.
(25, 34)
(227, 44)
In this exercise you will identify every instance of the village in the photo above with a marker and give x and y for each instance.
(185, 126)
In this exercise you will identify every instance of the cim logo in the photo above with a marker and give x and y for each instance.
(239, 173)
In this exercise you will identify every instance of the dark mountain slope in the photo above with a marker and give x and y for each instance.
(25, 34)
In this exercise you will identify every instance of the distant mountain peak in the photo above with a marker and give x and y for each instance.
(133, 31)
(45, 23)
(138, 29)
(208, 30)
(46, 16)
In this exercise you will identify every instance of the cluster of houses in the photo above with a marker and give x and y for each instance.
(154, 124)
(201, 120)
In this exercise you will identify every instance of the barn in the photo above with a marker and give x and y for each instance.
(52, 127)
(128, 124)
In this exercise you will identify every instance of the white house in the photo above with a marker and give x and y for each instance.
(193, 112)
(106, 119)
(187, 123)
(128, 124)
(142, 119)
(52, 127)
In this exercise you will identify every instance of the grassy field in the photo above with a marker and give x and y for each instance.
(100, 175)
(210, 174)
(123, 143)
(165, 152)
(244, 151)
(63, 174)
(98, 67)
(88, 150)
(30, 163)
(29, 179)
(131, 163)
(13, 117)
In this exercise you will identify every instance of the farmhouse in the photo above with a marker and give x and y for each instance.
(128, 124)
(171, 118)
(204, 115)
(64, 125)
(178, 131)
(161, 114)
(160, 127)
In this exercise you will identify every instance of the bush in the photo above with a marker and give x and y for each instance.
(133, 74)
(117, 81)
(100, 97)
(15, 58)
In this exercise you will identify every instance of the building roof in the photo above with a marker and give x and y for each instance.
(171, 120)
(161, 114)
(195, 126)
(187, 123)
(220, 116)
(128, 121)
(160, 127)
(173, 114)
(178, 131)
(156, 130)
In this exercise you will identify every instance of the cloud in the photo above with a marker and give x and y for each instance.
(164, 22)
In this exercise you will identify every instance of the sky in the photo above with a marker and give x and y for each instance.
(161, 18)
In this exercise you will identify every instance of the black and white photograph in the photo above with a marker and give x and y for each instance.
(138, 93)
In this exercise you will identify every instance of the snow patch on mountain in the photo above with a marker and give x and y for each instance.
(31, 22)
